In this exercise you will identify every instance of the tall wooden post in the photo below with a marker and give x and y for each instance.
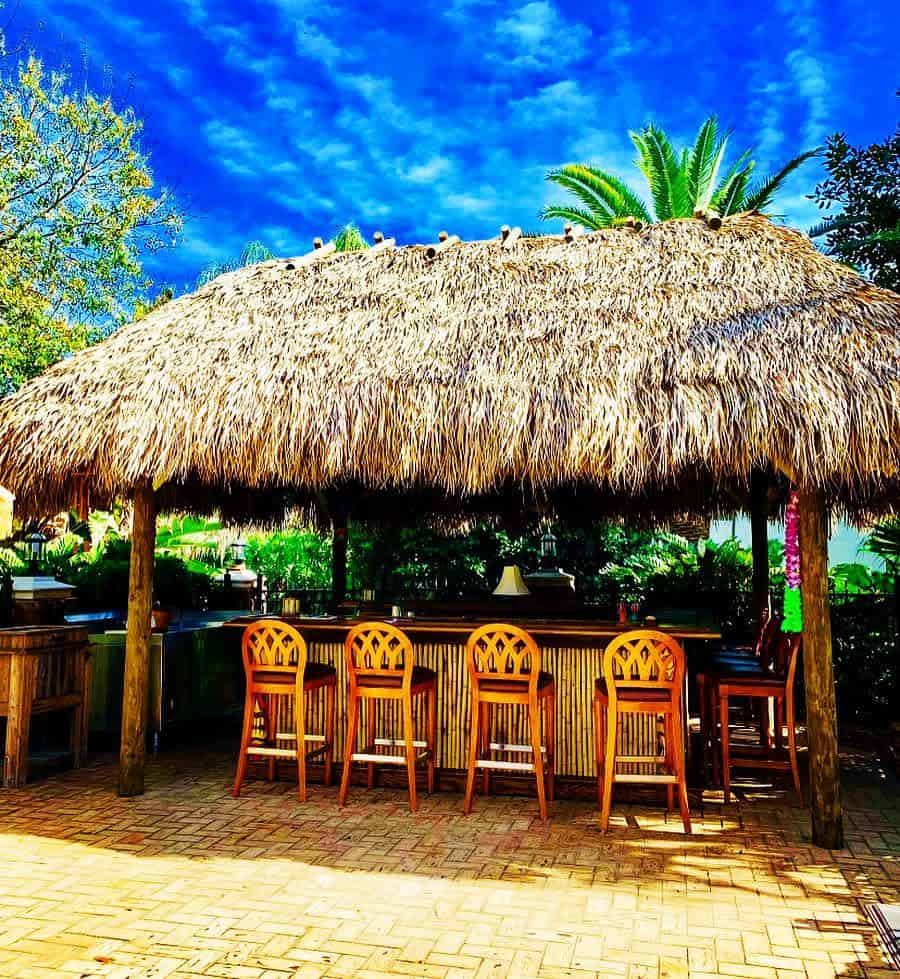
(821, 709)
(135, 696)
(338, 555)
(759, 536)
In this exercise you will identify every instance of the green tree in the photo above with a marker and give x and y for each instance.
(350, 239)
(864, 182)
(681, 182)
(77, 211)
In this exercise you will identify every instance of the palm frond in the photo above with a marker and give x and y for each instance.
(602, 194)
(576, 215)
(837, 223)
(760, 195)
(698, 163)
(659, 164)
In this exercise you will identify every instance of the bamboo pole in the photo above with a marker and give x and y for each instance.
(821, 709)
(759, 533)
(135, 695)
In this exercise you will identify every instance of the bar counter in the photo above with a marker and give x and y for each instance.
(571, 650)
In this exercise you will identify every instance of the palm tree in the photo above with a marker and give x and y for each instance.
(680, 183)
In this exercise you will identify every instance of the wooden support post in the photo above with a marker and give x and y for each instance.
(338, 555)
(22, 679)
(759, 534)
(135, 696)
(818, 668)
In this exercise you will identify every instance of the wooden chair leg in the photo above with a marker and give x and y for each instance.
(779, 723)
(599, 745)
(474, 741)
(246, 735)
(431, 736)
(271, 731)
(704, 724)
(349, 747)
(726, 747)
(713, 711)
(409, 737)
(329, 731)
(676, 724)
(550, 742)
(534, 724)
(486, 722)
(370, 740)
(300, 731)
(669, 735)
(611, 725)
(792, 744)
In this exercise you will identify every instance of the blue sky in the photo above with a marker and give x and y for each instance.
(279, 120)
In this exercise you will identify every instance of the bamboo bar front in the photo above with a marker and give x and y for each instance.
(571, 651)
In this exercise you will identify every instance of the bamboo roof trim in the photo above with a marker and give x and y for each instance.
(620, 359)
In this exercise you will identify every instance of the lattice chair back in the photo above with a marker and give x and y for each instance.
(644, 659)
(378, 649)
(503, 652)
(273, 646)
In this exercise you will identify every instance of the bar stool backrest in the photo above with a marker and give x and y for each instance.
(644, 659)
(786, 652)
(505, 652)
(378, 649)
(769, 636)
(273, 646)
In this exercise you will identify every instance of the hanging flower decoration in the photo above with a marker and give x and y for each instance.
(793, 604)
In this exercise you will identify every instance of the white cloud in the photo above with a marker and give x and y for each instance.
(537, 36)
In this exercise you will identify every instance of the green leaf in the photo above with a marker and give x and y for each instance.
(760, 196)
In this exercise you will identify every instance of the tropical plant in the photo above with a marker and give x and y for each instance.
(77, 211)
(681, 183)
(252, 252)
(865, 183)
(884, 542)
(350, 239)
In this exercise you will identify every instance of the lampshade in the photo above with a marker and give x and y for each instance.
(511, 582)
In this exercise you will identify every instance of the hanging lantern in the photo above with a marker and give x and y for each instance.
(793, 603)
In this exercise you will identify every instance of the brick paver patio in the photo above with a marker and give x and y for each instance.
(187, 881)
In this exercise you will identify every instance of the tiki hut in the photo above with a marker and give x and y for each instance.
(622, 364)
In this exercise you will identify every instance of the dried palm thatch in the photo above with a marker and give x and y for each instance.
(622, 361)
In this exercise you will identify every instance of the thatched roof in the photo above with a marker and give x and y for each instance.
(623, 360)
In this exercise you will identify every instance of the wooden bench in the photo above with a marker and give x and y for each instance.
(42, 669)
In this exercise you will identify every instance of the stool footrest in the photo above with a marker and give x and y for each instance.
(373, 756)
(509, 766)
(272, 752)
(650, 779)
(514, 749)
(398, 743)
(306, 737)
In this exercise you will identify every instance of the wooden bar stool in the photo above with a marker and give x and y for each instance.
(774, 680)
(752, 659)
(276, 665)
(643, 673)
(380, 666)
(504, 664)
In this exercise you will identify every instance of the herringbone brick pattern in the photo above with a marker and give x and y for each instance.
(187, 881)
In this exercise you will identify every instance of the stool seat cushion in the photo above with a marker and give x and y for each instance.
(515, 684)
(314, 672)
(632, 694)
(421, 677)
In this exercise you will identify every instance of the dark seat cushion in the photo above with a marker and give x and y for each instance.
(420, 675)
(632, 694)
(514, 684)
(312, 673)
